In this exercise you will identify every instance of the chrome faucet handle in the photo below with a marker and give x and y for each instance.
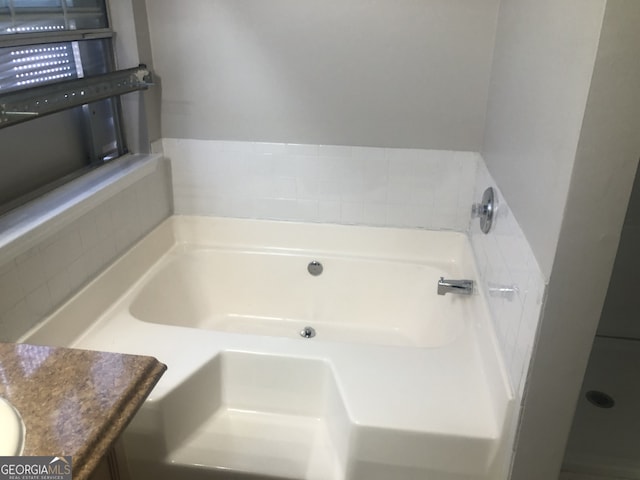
(478, 210)
(484, 210)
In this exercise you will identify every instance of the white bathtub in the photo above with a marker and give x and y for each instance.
(398, 382)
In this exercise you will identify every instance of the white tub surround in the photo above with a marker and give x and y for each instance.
(54, 245)
(512, 281)
(29, 224)
(323, 183)
(514, 287)
(426, 399)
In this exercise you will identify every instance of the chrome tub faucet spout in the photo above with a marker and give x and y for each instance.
(461, 287)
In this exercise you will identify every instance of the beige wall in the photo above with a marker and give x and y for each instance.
(405, 73)
(141, 110)
(544, 55)
(601, 179)
(622, 304)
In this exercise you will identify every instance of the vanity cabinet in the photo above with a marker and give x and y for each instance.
(113, 465)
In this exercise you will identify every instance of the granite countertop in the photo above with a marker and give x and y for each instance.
(74, 402)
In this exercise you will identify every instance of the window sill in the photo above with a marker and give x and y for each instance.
(28, 225)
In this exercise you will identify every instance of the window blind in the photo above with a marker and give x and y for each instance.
(33, 65)
(48, 16)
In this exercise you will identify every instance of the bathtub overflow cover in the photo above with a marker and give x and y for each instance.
(314, 268)
(308, 332)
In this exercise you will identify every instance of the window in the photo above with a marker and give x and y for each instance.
(53, 43)
(50, 16)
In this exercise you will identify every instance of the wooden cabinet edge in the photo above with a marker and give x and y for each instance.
(113, 466)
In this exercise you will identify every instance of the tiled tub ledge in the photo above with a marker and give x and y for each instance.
(29, 224)
(74, 402)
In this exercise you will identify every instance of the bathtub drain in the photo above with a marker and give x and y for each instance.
(600, 399)
(314, 268)
(308, 332)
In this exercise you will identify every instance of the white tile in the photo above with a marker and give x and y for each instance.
(67, 280)
(374, 190)
(404, 215)
(64, 251)
(124, 212)
(103, 253)
(426, 193)
(167, 146)
(104, 225)
(403, 166)
(504, 259)
(258, 164)
(241, 207)
(334, 151)
(408, 180)
(301, 149)
(156, 147)
(351, 167)
(374, 214)
(307, 188)
(352, 213)
(331, 168)
(400, 191)
(208, 148)
(77, 273)
(439, 157)
(276, 208)
(39, 302)
(521, 358)
(285, 165)
(403, 155)
(88, 231)
(329, 190)
(513, 315)
(203, 204)
(7, 266)
(308, 210)
(10, 290)
(443, 217)
(256, 186)
(269, 148)
(370, 155)
(445, 188)
(16, 322)
(351, 189)
(307, 167)
(26, 256)
(285, 187)
(329, 211)
(124, 238)
(31, 272)
(376, 168)
(239, 147)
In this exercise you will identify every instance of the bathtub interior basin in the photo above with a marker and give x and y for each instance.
(12, 431)
(266, 292)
